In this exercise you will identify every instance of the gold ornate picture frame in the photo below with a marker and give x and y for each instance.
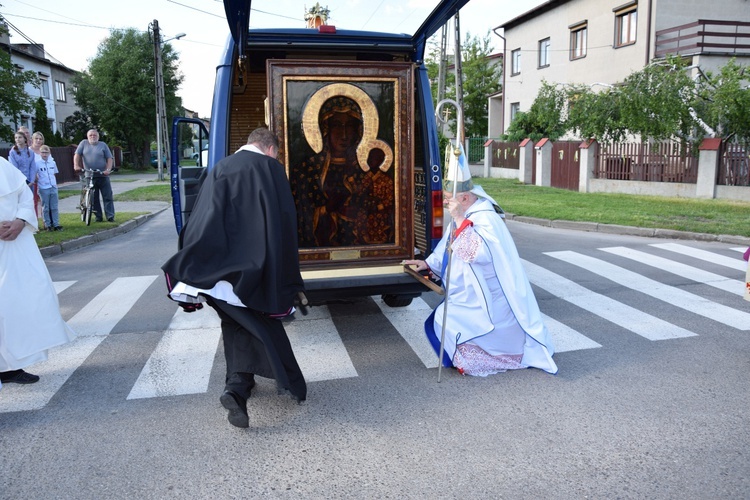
(345, 132)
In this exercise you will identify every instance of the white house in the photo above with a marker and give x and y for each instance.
(56, 84)
(601, 42)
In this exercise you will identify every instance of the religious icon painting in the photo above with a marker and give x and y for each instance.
(345, 132)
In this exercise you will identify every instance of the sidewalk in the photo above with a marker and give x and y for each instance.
(120, 184)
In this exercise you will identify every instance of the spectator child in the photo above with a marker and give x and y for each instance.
(46, 170)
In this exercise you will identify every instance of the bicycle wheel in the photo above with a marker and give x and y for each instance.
(87, 209)
(82, 204)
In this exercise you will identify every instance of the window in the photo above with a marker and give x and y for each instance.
(515, 62)
(625, 27)
(44, 88)
(60, 91)
(578, 41)
(544, 53)
(515, 107)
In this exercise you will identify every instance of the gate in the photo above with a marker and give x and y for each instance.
(476, 149)
(566, 159)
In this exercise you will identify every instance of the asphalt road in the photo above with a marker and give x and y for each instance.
(650, 400)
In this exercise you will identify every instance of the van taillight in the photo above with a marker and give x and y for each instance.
(437, 215)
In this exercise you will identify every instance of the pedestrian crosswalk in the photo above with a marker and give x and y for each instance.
(185, 355)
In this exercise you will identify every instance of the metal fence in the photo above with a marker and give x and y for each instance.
(668, 161)
(476, 149)
(734, 159)
(63, 158)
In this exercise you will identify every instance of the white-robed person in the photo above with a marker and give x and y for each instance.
(493, 319)
(30, 320)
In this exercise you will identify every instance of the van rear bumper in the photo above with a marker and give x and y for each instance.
(338, 284)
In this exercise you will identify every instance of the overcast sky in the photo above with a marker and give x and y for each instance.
(72, 30)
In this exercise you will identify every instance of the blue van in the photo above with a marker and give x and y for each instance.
(358, 139)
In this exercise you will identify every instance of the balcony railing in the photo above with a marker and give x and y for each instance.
(704, 37)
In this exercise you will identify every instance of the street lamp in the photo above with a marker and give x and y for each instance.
(161, 112)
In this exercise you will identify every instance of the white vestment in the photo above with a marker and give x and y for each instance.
(30, 320)
(494, 322)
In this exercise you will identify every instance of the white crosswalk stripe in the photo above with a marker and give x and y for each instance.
(697, 253)
(91, 324)
(53, 373)
(101, 315)
(671, 295)
(186, 354)
(409, 321)
(61, 286)
(318, 347)
(182, 362)
(630, 318)
(566, 339)
(689, 272)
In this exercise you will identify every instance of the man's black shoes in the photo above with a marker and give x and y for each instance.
(18, 377)
(237, 406)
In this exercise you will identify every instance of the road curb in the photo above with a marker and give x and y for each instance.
(630, 230)
(90, 239)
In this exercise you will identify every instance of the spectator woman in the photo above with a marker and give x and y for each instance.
(37, 141)
(22, 157)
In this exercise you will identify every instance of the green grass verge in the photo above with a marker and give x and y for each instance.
(160, 191)
(682, 214)
(74, 228)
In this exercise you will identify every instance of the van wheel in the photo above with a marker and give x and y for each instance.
(396, 300)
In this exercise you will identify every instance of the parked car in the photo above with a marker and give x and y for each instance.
(153, 160)
(201, 159)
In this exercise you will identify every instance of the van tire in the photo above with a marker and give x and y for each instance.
(396, 300)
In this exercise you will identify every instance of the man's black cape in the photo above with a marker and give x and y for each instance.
(243, 229)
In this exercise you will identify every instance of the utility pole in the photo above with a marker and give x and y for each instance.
(162, 136)
(443, 63)
(459, 80)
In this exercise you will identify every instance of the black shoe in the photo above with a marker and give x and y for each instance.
(237, 407)
(98, 220)
(18, 377)
(49, 228)
(58, 228)
(111, 219)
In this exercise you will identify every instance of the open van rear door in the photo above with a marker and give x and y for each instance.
(189, 162)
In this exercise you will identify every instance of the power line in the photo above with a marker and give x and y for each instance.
(223, 16)
(373, 13)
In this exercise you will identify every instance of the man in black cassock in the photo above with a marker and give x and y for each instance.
(239, 253)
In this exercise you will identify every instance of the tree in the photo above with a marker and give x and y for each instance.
(13, 98)
(41, 122)
(545, 118)
(117, 90)
(481, 78)
(725, 100)
(76, 127)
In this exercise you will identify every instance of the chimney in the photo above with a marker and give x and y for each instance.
(33, 49)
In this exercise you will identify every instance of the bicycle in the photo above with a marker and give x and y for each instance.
(87, 194)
